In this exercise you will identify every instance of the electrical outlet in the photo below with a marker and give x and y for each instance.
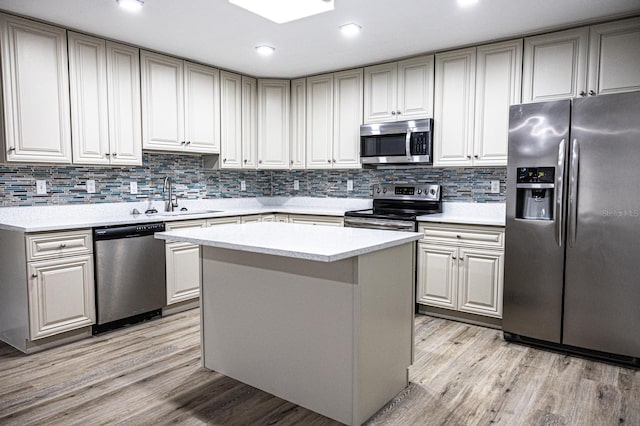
(133, 187)
(495, 187)
(41, 187)
(243, 185)
(91, 186)
(349, 185)
(296, 185)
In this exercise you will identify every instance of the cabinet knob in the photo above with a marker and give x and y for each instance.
(114, 154)
(34, 275)
(582, 93)
(476, 156)
(453, 257)
(458, 236)
(245, 161)
(182, 142)
(107, 154)
(592, 93)
(12, 148)
(63, 245)
(461, 257)
(329, 161)
(398, 112)
(393, 113)
(468, 157)
(188, 142)
(259, 161)
(291, 162)
(224, 160)
(334, 160)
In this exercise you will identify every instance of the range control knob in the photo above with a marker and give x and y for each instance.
(432, 191)
(419, 191)
(378, 190)
(384, 190)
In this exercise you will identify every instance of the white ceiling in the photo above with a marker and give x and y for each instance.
(218, 33)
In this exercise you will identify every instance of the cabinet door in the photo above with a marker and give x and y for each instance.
(347, 118)
(319, 121)
(454, 107)
(224, 220)
(35, 84)
(123, 92)
(184, 273)
(61, 295)
(273, 124)
(201, 109)
(481, 282)
(230, 120)
(88, 90)
(249, 123)
(316, 220)
(498, 79)
(415, 88)
(162, 102)
(614, 57)
(437, 275)
(380, 93)
(555, 65)
(298, 123)
(251, 218)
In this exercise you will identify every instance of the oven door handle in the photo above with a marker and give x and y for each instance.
(390, 225)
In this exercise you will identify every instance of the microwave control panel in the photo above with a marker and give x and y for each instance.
(420, 143)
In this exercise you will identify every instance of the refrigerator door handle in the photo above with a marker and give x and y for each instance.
(573, 191)
(559, 193)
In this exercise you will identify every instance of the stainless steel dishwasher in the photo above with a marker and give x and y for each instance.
(130, 274)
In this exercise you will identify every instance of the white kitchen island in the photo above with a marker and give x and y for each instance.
(319, 316)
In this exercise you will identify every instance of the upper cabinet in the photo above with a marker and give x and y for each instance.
(273, 123)
(249, 123)
(298, 123)
(614, 57)
(473, 91)
(230, 120)
(555, 65)
(35, 85)
(334, 116)
(105, 101)
(399, 90)
(585, 61)
(180, 105)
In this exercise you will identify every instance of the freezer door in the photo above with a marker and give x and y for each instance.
(534, 249)
(602, 288)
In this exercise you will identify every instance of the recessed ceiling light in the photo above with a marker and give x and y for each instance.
(131, 5)
(265, 50)
(350, 29)
(281, 11)
(467, 3)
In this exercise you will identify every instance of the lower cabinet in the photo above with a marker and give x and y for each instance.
(61, 295)
(461, 268)
(316, 220)
(283, 218)
(184, 273)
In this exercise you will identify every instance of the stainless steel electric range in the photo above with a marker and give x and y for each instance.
(396, 207)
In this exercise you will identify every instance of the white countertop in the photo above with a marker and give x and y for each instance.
(61, 217)
(319, 243)
(492, 214)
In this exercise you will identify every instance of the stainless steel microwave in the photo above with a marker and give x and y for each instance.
(398, 142)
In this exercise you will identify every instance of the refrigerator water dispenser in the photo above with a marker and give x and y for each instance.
(535, 193)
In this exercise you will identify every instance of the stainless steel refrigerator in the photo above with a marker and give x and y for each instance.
(572, 254)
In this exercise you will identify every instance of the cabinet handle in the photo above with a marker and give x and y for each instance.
(582, 93)
(393, 113)
(592, 93)
(63, 245)
(34, 275)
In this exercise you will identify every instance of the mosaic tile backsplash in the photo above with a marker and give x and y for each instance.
(67, 184)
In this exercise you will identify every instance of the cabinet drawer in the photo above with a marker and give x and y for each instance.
(484, 236)
(56, 244)
(185, 224)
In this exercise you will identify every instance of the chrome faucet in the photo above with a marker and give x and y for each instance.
(172, 202)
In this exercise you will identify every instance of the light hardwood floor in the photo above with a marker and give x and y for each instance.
(463, 375)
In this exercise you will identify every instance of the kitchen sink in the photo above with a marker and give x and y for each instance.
(187, 212)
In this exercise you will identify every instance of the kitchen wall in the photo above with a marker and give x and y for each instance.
(66, 183)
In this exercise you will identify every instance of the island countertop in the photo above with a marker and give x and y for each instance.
(310, 242)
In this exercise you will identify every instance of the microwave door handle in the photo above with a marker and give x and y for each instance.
(408, 145)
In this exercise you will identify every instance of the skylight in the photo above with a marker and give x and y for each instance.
(281, 11)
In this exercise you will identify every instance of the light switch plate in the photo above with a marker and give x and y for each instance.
(495, 187)
(41, 187)
(133, 187)
(296, 185)
(91, 186)
(243, 185)
(349, 185)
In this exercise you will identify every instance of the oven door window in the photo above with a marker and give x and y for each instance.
(383, 145)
